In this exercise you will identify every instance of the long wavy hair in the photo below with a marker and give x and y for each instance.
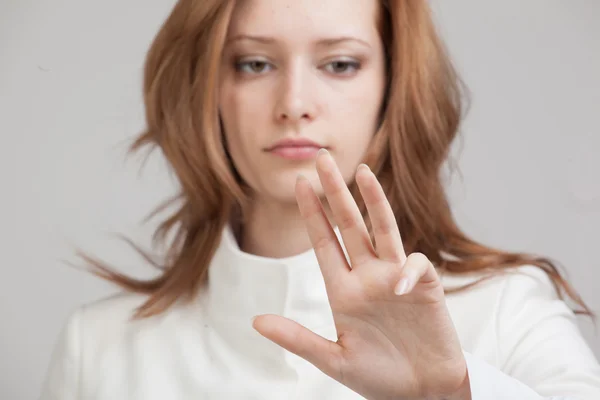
(420, 119)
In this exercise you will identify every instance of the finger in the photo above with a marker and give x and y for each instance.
(323, 239)
(388, 241)
(416, 269)
(345, 211)
(322, 353)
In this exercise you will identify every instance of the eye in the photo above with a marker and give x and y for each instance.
(253, 67)
(342, 67)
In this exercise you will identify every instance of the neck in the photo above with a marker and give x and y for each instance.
(274, 230)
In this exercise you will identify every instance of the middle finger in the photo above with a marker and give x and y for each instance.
(345, 210)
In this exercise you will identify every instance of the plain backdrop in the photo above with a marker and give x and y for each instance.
(70, 102)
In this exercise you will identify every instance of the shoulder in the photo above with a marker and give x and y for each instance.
(530, 303)
(104, 335)
(87, 331)
(110, 311)
(109, 321)
(117, 308)
(105, 330)
(505, 286)
(99, 320)
(501, 302)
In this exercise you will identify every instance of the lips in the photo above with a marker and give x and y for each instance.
(295, 149)
(300, 142)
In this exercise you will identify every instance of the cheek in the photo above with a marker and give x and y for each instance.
(232, 119)
(234, 115)
(229, 109)
(241, 108)
(240, 116)
(356, 104)
(356, 119)
(364, 101)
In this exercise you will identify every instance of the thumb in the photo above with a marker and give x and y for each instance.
(322, 353)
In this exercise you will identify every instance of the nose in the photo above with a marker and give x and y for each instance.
(296, 101)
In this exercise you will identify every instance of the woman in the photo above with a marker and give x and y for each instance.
(264, 108)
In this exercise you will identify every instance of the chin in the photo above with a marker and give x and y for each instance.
(282, 186)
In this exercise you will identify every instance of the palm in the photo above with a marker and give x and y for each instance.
(395, 337)
(385, 338)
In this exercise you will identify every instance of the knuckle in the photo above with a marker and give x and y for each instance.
(347, 221)
(381, 200)
(383, 227)
(322, 242)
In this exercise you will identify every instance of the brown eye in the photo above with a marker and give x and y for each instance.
(342, 67)
(252, 66)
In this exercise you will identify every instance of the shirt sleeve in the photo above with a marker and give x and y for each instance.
(541, 352)
(62, 376)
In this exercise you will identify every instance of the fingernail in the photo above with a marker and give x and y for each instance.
(402, 286)
(300, 177)
(252, 320)
(322, 151)
(364, 167)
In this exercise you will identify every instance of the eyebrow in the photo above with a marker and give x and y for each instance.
(326, 42)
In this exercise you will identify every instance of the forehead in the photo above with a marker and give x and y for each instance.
(303, 18)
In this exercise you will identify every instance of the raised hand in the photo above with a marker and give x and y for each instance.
(395, 337)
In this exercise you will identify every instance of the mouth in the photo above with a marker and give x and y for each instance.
(296, 152)
(295, 149)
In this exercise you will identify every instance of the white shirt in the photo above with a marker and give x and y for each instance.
(520, 341)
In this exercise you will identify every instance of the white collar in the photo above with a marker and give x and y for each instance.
(242, 285)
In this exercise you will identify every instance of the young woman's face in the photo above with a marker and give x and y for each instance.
(310, 72)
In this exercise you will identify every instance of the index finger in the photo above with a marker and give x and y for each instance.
(328, 250)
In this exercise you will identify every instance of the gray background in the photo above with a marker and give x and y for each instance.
(70, 76)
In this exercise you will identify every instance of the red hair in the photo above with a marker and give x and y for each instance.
(420, 120)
